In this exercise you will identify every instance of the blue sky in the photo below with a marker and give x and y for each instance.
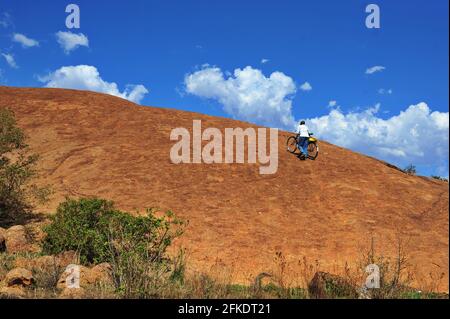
(159, 44)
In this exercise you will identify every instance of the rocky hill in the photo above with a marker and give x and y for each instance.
(328, 209)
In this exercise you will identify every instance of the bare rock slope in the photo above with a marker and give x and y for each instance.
(98, 145)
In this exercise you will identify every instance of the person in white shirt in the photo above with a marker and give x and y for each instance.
(303, 137)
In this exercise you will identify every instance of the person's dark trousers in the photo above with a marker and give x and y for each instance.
(303, 145)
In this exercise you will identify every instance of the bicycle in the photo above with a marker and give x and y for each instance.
(313, 147)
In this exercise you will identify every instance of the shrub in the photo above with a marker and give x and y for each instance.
(17, 169)
(395, 273)
(439, 178)
(134, 246)
(77, 226)
(94, 228)
(410, 170)
(47, 276)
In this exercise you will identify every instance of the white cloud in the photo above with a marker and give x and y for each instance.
(306, 87)
(385, 91)
(374, 69)
(264, 61)
(24, 40)
(332, 103)
(86, 77)
(247, 94)
(10, 60)
(70, 41)
(417, 135)
(134, 92)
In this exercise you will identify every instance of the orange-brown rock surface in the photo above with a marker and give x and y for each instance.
(98, 145)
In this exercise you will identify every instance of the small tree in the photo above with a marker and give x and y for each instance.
(410, 169)
(17, 168)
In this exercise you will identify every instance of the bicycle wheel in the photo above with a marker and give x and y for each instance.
(292, 145)
(313, 151)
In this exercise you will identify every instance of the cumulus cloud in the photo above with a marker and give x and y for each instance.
(306, 87)
(374, 69)
(86, 77)
(70, 41)
(247, 94)
(416, 135)
(10, 60)
(24, 40)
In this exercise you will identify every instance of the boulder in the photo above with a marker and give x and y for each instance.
(45, 268)
(102, 273)
(19, 277)
(16, 240)
(70, 276)
(39, 263)
(325, 285)
(67, 257)
(61, 260)
(15, 292)
(99, 274)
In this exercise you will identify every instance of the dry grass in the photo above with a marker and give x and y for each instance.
(141, 279)
(6, 264)
(47, 277)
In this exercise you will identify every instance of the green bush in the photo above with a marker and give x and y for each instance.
(134, 246)
(95, 229)
(17, 169)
